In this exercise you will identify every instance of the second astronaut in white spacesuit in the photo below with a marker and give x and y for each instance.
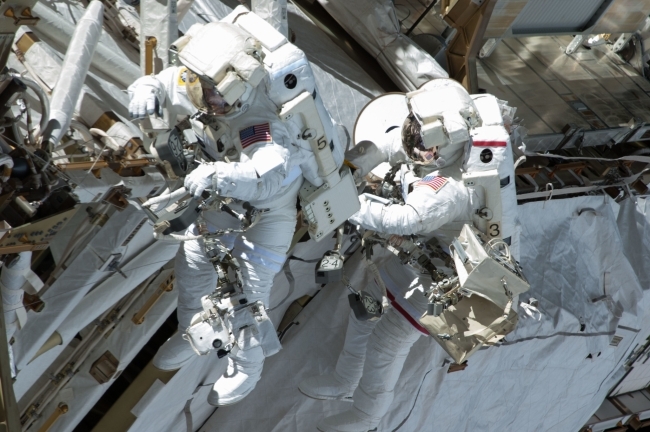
(436, 204)
(258, 158)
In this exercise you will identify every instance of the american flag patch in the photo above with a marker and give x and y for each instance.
(260, 133)
(433, 181)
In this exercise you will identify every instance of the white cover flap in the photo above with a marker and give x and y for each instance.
(264, 32)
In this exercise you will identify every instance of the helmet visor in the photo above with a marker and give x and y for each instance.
(414, 145)
(214, 102)
(204, 95)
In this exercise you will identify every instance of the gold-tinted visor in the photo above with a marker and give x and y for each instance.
(204, 96)
(414, 145)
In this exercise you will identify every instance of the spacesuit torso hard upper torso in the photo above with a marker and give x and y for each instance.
(439, 196)
(254, 134)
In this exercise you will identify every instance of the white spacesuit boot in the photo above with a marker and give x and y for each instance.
(243, 373)
(244, 366)
(387, 350)
(340, 383)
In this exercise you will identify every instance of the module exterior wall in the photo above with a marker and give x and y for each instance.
(623, 16)
(125, 341)
(80, 276)
(591, 89)
(555, 16)
(514, 18)
(504, 14)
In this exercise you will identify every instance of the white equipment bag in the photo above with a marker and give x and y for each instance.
(489, 280)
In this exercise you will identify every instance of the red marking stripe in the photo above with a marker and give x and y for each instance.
(489, 143)
(408, 317)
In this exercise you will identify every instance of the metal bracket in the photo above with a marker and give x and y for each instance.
(633, 126)
(25, 18)
(104, 368)
(570, 131)
(149, 47)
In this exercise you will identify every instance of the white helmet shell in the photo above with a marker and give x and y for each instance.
(446, 113)
(218, 48)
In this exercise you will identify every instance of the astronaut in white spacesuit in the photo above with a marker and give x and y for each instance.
(437, 203)
(258, 158)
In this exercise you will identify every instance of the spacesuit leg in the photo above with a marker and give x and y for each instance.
(245, 365)
(388, 347)
(340, 383)
(194, 278)
(261, 252)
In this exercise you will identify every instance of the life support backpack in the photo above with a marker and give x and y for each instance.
(490, 149)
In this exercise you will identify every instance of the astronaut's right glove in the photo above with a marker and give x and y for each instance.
(200, 179)
(371, 213)
(146, 97)
(358, 217)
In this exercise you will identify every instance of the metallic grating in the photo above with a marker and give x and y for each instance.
(558, 16)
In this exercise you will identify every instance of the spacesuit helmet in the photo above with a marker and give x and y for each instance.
(443, 113)
(224, 66)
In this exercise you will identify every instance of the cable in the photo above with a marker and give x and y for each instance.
(203, 15)
(399, 426)
(492, 245)
(101, 133)
(401, 21)
(421, 17)
(292, 286)
(42, 97)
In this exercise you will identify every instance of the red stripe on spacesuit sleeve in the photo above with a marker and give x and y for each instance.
(489, 143)
(408, 317)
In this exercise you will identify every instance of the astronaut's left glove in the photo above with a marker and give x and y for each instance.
(200, 179)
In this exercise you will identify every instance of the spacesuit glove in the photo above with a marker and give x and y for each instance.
(357, 218)
(146, 97)
(200, 179)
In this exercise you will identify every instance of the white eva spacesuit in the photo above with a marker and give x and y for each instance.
(437, 204)
(238, 73)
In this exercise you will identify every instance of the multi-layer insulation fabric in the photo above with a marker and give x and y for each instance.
(552, 372)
